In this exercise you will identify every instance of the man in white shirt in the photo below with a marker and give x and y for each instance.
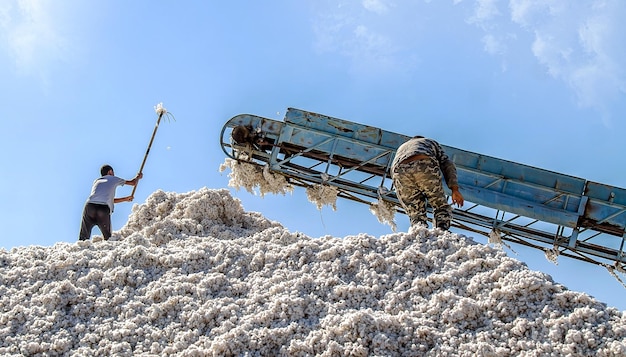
(100, 204)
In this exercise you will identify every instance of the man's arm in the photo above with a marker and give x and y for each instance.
(123, 199)
(457, 197)
(134, 181)
(449, 174)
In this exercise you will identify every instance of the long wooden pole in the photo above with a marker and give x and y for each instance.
(156, 127)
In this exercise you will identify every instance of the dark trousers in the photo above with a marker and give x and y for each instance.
(95, 215)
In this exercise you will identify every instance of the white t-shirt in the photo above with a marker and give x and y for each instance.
(103, 190)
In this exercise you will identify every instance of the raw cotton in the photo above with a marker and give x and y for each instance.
(194, 274)
(254, 178)
(385, 212)
(322, 195)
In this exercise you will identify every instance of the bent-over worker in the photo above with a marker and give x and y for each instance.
(416, 171)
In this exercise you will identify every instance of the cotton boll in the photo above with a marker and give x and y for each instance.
(31, 348)
(252, 177)
(384, 212)
(616, 348)
(322, 195)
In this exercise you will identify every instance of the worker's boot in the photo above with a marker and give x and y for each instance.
(415, 222)
(444, 225)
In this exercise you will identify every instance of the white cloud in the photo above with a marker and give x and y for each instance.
(492, 45)
(579, 43)
(30, 36)
(485, 11)
(5, 17)
(373, 47)
(377, 6)
(363, 34)
(370, 42)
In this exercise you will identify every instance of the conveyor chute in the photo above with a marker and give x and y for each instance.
(554, 212)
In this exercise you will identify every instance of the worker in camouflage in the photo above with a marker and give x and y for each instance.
(417, 175)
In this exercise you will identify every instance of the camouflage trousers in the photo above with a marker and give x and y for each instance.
(418, 182)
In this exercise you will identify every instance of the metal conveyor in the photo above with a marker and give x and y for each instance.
(557, 213)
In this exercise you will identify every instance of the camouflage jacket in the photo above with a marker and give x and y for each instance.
(430, 147)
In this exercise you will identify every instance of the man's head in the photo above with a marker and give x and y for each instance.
(241, 134)
(104, 170)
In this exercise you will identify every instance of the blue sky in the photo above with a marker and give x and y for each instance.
(536, 82)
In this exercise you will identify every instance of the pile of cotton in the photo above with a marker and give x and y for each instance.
(194, 275)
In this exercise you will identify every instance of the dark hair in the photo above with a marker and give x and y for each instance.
(241, 134)
(104, 169)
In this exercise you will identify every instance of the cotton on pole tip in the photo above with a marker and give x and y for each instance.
(161, 112)
(159, 109)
